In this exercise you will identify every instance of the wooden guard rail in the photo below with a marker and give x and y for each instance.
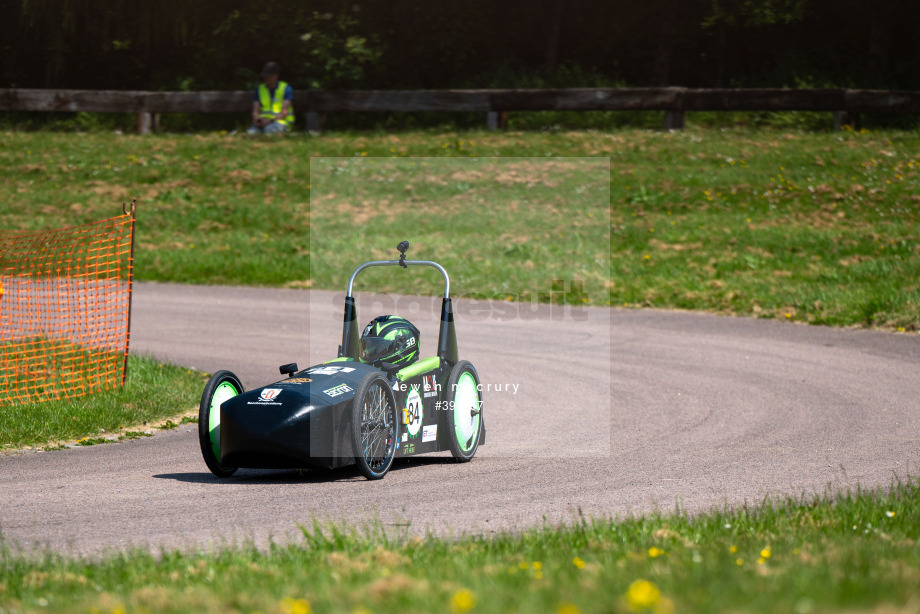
(846, 103)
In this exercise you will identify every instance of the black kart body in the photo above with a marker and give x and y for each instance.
(347, 411)
(307, 419)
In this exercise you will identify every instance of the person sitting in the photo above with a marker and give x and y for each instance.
(273, 103)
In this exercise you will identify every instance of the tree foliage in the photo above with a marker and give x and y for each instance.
(221, 44)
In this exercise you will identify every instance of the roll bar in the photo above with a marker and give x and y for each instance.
(447, 335)
(403, 263)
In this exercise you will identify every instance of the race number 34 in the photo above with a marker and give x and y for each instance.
(413, 413)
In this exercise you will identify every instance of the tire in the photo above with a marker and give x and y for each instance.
(223, 385)
(463, 417)
(374, 427)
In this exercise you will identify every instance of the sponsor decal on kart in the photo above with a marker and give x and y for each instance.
(296, 380)
(337, 391)
(269, 394)
(324, 370)
(412, 414)
(430, 386)
(430, 433)
(267, 397)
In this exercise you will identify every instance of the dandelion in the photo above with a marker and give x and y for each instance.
(739, 562)
(463, 601)
(295, 606)
(537, 565)
(577, 562)
(642, 595)
(733, 549)
(646, 256)
(765, 553)
(654, 552)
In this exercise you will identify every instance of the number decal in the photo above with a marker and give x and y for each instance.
(413, 413)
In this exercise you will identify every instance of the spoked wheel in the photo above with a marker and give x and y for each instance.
(464, 411)
(223, 385)
(374, 426)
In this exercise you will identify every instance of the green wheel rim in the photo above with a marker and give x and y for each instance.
(224, 391)
(467, 408)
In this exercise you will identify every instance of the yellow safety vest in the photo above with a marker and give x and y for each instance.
(270, 105)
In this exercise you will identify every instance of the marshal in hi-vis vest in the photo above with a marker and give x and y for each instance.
(270, 105)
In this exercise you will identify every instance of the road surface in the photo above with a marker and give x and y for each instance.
(604, 412)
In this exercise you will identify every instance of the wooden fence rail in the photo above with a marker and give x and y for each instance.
(496, 103)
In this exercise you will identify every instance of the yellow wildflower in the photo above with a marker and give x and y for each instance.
(295, 606)
(642, 595)
(463, 601)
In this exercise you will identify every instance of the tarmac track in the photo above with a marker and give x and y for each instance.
(605, 412)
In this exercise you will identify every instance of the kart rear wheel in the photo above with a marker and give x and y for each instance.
(223, 385)
(464, 411)
(374, 427)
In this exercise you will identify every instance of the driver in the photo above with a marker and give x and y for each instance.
(390, 339)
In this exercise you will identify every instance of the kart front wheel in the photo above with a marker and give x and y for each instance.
(464, 411)
(223, 385)
(374, 427)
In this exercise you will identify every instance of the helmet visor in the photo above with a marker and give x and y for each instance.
(376, 348)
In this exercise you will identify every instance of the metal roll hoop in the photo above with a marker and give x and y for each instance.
(404, 264)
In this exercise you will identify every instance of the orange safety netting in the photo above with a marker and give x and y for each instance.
(65, 308)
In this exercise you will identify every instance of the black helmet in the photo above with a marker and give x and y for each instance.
(390, 339)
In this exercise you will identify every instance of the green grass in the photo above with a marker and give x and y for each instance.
(502, 227)
(855, 551)
(805, 226)
(153, 392)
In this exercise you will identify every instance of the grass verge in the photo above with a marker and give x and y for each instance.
(802, 226)
(154, 393)
(855, 551)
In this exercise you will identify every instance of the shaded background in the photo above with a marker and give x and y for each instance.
(219, 44)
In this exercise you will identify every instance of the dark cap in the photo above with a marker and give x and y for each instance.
(271, 68)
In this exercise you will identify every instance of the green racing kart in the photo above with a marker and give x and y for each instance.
(375, 402)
